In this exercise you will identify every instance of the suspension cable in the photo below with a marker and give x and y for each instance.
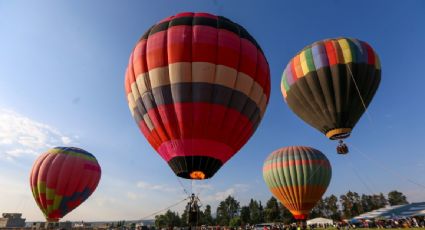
(360, 95)
(143, 218)
(388, 169)
(360, 179)
(182, 186)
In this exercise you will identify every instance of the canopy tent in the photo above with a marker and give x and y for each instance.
(319, 220)
(393, 212)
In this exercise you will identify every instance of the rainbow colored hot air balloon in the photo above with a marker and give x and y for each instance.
(62, 178)
(197, 86)
(330, 83)
(298, 176)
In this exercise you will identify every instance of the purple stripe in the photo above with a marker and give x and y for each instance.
(319, 56)
(289, 76)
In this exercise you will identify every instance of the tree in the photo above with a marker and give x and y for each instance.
(285, 214)
(207, 217)
(254, 212)
(235, 222)
(351, 204)
(261, 208)
(169, 219)
(245, 215)
(396, 198)
(319, 209)
(382, 200)
(226, 210)
(272, 212)
(332, 208)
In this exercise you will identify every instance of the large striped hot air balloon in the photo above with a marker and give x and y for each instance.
(298, 176)
(330, 83)
(61, 179)
(197, 86)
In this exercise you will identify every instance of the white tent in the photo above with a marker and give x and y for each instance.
(319, 220)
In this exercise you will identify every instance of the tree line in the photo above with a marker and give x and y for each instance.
(230, 213)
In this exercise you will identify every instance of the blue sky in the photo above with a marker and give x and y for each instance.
(62, 67)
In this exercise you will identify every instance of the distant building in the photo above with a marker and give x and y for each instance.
(12, 220)
(58, 225)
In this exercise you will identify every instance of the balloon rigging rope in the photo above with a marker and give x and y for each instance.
(360, 95)
(181, 185)
(167, 208)
(360, 179)
(388, 169)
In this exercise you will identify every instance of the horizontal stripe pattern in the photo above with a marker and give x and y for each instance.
(298, 176)
(325, 54)
(61, 179)
(199, 76)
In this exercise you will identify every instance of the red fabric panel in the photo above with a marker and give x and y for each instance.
(370, 54)
(219, 122)
(152, 137)
(156, 50)
(263, 75)
(179, 44)
(205, 15)
(195, 147)
(138, 58)
(72, 171)
(228, 49)
(248, 58)
(204, 44)
(331, 53)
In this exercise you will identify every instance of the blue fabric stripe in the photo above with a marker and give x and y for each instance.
(319, 56)
(77, 150)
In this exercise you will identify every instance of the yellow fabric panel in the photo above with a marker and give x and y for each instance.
(303, 63)
(50, 194)
(297, 66)
(57, 202)
(346, 51)
(41, 186)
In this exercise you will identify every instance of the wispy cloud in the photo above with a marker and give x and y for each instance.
(158, 187)
(232, 191)
(21, 136)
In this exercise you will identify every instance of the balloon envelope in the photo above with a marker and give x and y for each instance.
(330, 83)
(62, 178)
(298, 176)
(197, 86)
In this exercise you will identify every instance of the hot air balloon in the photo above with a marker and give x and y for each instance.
(61, 179)
(298, 176)
(330, 83)
(197, 86)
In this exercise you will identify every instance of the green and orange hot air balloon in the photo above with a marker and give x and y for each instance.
(298, 176)
(197, 86)
(330, 83)
(61, 179)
